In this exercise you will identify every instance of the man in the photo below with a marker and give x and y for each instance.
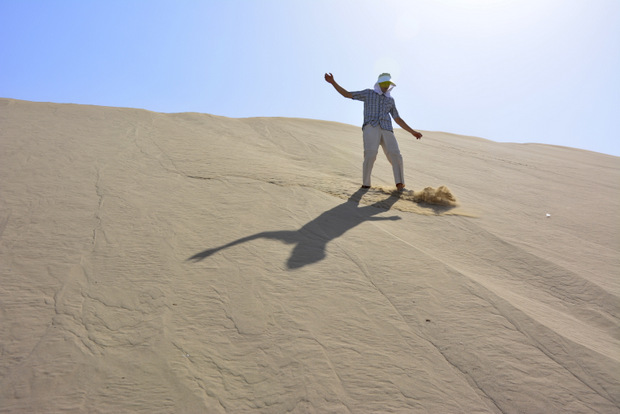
(377, 127)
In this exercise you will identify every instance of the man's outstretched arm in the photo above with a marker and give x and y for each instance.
(401, 122)
(329, 78)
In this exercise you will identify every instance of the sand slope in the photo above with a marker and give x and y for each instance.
(186, 263)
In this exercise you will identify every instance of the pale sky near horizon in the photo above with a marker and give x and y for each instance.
(544, 71)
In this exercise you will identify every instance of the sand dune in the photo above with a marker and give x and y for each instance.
(189, 263)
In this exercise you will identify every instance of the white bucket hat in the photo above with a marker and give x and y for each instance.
(385, 77)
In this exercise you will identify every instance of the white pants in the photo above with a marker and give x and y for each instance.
(373, 137)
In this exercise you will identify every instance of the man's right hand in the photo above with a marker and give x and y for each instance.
(329, 78)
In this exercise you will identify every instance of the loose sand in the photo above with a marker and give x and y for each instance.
(189, 263)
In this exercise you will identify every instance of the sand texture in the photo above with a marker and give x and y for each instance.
(190, 263)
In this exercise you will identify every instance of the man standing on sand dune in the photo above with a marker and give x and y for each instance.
(377, 127)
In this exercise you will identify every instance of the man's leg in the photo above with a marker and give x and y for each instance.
(392, 152)
(372, 138)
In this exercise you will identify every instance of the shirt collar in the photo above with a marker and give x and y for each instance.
(378, 90)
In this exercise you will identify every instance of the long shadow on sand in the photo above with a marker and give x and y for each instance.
(311, 240)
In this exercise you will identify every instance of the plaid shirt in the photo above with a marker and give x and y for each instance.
(377, 108)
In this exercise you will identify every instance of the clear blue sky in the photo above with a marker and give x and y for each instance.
(543, 71)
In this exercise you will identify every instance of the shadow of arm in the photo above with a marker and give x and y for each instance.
(284, 236)
(203, 255)
(391, 218)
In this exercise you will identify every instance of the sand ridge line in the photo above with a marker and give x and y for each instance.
(429, 201)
